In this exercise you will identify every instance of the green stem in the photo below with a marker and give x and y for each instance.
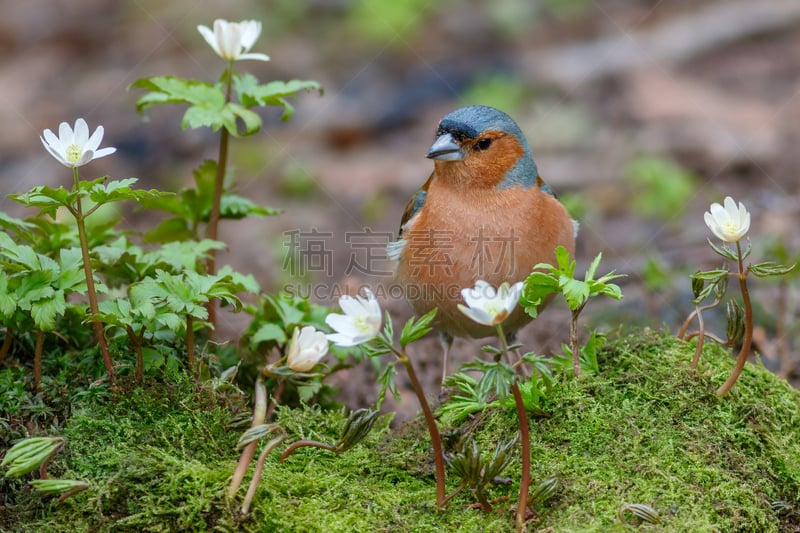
(212, 230)
(80, 221)
(748, 328)
(525, 442)
(433, 429)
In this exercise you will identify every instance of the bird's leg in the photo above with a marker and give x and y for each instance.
(446, 342)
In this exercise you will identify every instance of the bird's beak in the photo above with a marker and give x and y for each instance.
(445, 148)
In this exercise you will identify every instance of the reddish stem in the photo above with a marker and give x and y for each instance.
(6, 344)
(304, 443)
(137, 347)
(190, 343)
(37, 359)
(573, 342)
(251, 490)
(701, 338)
(525, 441)
(259, 416)
(212, 229)
(433, 429)
(91, 292)
(748, 329)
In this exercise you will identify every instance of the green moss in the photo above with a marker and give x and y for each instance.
(645, 430)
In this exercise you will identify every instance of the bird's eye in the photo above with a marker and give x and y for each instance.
(483, 144)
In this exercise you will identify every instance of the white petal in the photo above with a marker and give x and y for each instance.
(719, 213)
(340, 339)
(477, 315)
(86, 157)
(57, 155)
(342, 323)
(255, 57)
(229, 37)
(370, 303)
(94, 141)
(81, 132)
(745, 224)
(730, 206)
(512, 296)
(713, 226)
(51, 139)
(65, 134)
(743, 213)
(51, 142)
(251, 29)
(351, 306)
(210, 38)
(102, 152)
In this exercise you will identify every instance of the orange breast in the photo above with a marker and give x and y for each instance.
(460, 236)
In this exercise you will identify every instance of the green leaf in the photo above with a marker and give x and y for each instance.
(252, 122)
(46, 198)
(8, 300)
(34, 287)
(770, 268)
(174, 90)
(169, 230)
(22, 254)
(45, 310)
(711, 275)
(288, 313)
(15, 224)
(233, 206)
(538, 286)
(575, 292)
(72, 276)
(592, 270)
(268, 333)
(64, 487)
(207, 105)
(497, 377)
(414, 330)
(120, 190)
(386, 381)
(250, 93)
(724, 251)
(28, 454)
(566, 266)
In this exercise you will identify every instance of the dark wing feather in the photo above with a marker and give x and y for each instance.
(415, 204)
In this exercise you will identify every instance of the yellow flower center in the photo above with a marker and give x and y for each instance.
(362, 324)
(74, 153)
(730, 227)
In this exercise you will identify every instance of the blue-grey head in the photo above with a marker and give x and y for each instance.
(489, 143)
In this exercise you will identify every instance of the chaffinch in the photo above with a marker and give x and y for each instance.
(484, 214)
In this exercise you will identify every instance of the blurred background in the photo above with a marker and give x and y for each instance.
(640, 114)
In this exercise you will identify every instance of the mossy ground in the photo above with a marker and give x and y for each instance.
(646, 430)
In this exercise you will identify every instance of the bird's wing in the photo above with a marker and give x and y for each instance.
(415, 204)
(395, 248)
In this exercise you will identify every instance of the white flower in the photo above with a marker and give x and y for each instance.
(360, 322)
(232, 40)
(729, 223)
(308, 347)
(488, 306)
(74, 148)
